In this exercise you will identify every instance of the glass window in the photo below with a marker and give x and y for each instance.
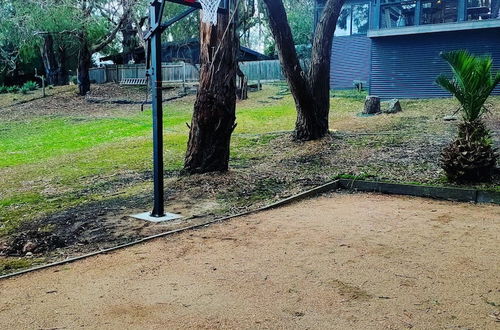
(344, 22)
(483, 9)
(360, 18)
(439, 11)
(397, 15)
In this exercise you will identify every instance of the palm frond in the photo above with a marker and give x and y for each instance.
(472, 81)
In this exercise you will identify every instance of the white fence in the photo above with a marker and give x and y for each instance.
(256, 72)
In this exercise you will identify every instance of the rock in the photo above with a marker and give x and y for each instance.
(29, 254)
(450, 118)
(393, 106)
(3, 248)
(372, 105)
(29, 247)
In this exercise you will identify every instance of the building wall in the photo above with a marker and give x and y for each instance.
(350, 61)
(407, 66)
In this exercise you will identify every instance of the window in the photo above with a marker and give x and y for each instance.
(439, 11)
(397, 15)
(483, 9)
(353, 19)
(401, 13)
(360, 18)
(344, 23)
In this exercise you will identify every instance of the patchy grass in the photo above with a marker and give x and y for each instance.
(9, 265)
(10, 99)
(52, 162)
(65, 160)
(33, 141)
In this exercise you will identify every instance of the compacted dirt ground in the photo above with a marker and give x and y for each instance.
(341, 261)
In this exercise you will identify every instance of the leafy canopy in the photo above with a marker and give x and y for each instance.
(472, 82)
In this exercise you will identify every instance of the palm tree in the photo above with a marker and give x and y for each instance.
(471, 157)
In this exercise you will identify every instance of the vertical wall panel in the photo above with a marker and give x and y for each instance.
(350, 61)
(407, 66)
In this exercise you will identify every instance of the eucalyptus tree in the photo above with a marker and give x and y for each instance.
(39, 28)
(57, 30)
(214, 112)
(9, 50)
(96, 32)
(310, 88)
(50, 28)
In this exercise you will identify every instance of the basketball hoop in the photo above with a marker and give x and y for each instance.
(210, 8)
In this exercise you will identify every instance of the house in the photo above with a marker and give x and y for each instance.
(187, 51)
(393, 46)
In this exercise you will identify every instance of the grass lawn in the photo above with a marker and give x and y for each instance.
(62, 156)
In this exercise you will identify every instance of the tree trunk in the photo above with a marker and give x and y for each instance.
(54, 62)
(215, 107)
(319, 71)
(49, 59)
(84, 64)
(311, 91)
(129, 43)
(63, 74)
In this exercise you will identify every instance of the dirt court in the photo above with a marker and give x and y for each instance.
(340, 261)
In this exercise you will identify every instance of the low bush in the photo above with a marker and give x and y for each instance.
(13, 89)
(24, 90)
(3, 89)
(30, 85)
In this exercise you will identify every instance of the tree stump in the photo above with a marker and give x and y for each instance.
(372, 105)
(393, 106)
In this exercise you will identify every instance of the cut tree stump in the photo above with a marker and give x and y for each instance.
(393, 106)
(372, 105)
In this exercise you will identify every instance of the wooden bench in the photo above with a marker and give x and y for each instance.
(133, 81)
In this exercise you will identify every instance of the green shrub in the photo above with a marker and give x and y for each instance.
(472, 156)
(472, 82)
(3, 89)
(13, 89)
(30, 85)
(24, 90)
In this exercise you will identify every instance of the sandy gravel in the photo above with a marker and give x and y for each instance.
(339, 262)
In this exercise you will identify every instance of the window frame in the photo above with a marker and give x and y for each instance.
(422, 2)
(416, 17)
(350, 5)
(377, 7)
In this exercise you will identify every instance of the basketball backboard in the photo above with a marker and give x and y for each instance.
(194, 3)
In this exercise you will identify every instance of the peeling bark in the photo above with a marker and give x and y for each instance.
(215, 107)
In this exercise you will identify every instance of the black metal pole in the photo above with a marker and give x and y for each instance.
(156, 93)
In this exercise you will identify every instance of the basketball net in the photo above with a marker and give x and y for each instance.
(210, 8)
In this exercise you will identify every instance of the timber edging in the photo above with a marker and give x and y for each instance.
(436, 192)
(442, 193)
